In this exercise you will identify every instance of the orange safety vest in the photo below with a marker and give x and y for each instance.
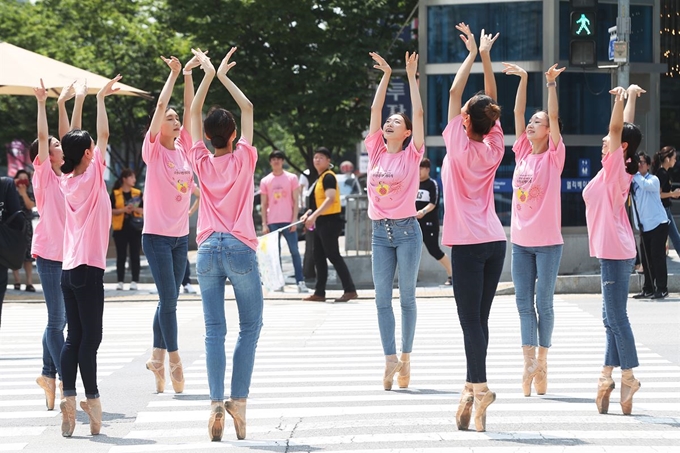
(320, 195)
(118, 219)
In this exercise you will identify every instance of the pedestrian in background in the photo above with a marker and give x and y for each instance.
(536, 225)
(611, 240)
(650, 218)
(226, 243)
(9, 204)
(279, 194)
(394, 151)
(22, 181)
(427, 205)
(165, 238)
(663, 161)
(474, 150)
(86, 240)
(127, 208)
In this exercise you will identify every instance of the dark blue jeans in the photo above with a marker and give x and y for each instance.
(476, 271)
(83, 289)
(53, 337)
(167, 257)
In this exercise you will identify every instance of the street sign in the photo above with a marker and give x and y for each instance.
(584, 168)
(612, 40)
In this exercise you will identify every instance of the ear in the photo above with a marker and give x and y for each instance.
(233, 136)
(624, 145)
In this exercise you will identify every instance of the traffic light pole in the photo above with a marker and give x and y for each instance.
(622, 34)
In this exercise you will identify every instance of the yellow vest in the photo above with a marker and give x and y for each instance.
(320, 195)
(118, 219)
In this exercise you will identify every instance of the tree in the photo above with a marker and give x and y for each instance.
(304, 64)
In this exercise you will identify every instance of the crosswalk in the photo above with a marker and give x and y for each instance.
(317, 386)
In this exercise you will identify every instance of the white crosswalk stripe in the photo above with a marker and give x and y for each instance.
(317, 386)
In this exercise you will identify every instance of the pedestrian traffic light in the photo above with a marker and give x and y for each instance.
(583, 25)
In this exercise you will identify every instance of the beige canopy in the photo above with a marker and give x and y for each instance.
(21, 71)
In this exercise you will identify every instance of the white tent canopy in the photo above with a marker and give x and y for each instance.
(21, 71)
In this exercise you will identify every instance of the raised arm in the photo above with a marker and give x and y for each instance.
(102, 118)
(380, 92)
(553, 111)
(66, 93)
(189, 90)
(418, 138)
(485, 44)
(43, 131)
(164, 97)
(459, 82)
(616, 121)
(197, 104)
(77, 116)
(633, 92)
(244, 104)
(520, 98)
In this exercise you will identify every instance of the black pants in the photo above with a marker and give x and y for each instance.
(476, 271)
(326, 245)
(131, 237)
(653, 254)
(83, 289)
(431, 239)
(3, 287)
(308, 270)
(187, 274)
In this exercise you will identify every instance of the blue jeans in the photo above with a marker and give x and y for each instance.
(476, 271)
(620, 344)
(222, 256)
(53, 337)
(292, 240)
(167, 257)
(673, 231)
(529, 263)
(83, 289)
(396, 242)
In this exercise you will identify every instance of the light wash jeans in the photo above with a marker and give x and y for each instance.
(167, 257)
(222, 256)
(673, 231)
(53, 337)
(292, 240)
(396, 242)
(528, 264)
(620, 344)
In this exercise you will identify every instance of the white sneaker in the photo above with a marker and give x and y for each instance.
(119, 286)
(302, 288)
(133, 286)
(189, 289)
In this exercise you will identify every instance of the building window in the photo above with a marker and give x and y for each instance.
(519, 23)
(585, 102)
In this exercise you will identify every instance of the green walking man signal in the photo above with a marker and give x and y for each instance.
(583, 21)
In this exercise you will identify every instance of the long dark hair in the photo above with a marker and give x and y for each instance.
(484, 112)
(667, 152)
(74, 144)
(33, 150)
(631, 135)
(126, 173)
(219, 124)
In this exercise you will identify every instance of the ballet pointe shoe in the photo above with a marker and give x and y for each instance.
(236, 407)
(68, 415)
(404, 376)
(93, 409)
(156, 364)
(541, 379)
(392, 367)
(49, 385)
(176, 372)
(629, 385)
(464, 412)
(216, 421)
(530, 368)
(605, 386)
(483, 398)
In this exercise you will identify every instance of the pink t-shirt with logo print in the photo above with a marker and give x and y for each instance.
(469, 209)
(168, 187)
(610, 235)
(227, 193)
(279, 190)
(88, 216)
(393, 179)
(536, 201)
(52, 209)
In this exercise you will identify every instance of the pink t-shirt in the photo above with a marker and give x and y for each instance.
(610, 235)
(226, 191)
(536, 201)
(88, 216)
(279, 191)
(469, 209)
(393, 179)
(52, 210)
(168, 187)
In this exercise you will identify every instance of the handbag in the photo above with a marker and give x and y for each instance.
(12, 240)
(137, 223)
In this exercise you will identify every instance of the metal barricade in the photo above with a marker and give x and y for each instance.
(358, 227)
